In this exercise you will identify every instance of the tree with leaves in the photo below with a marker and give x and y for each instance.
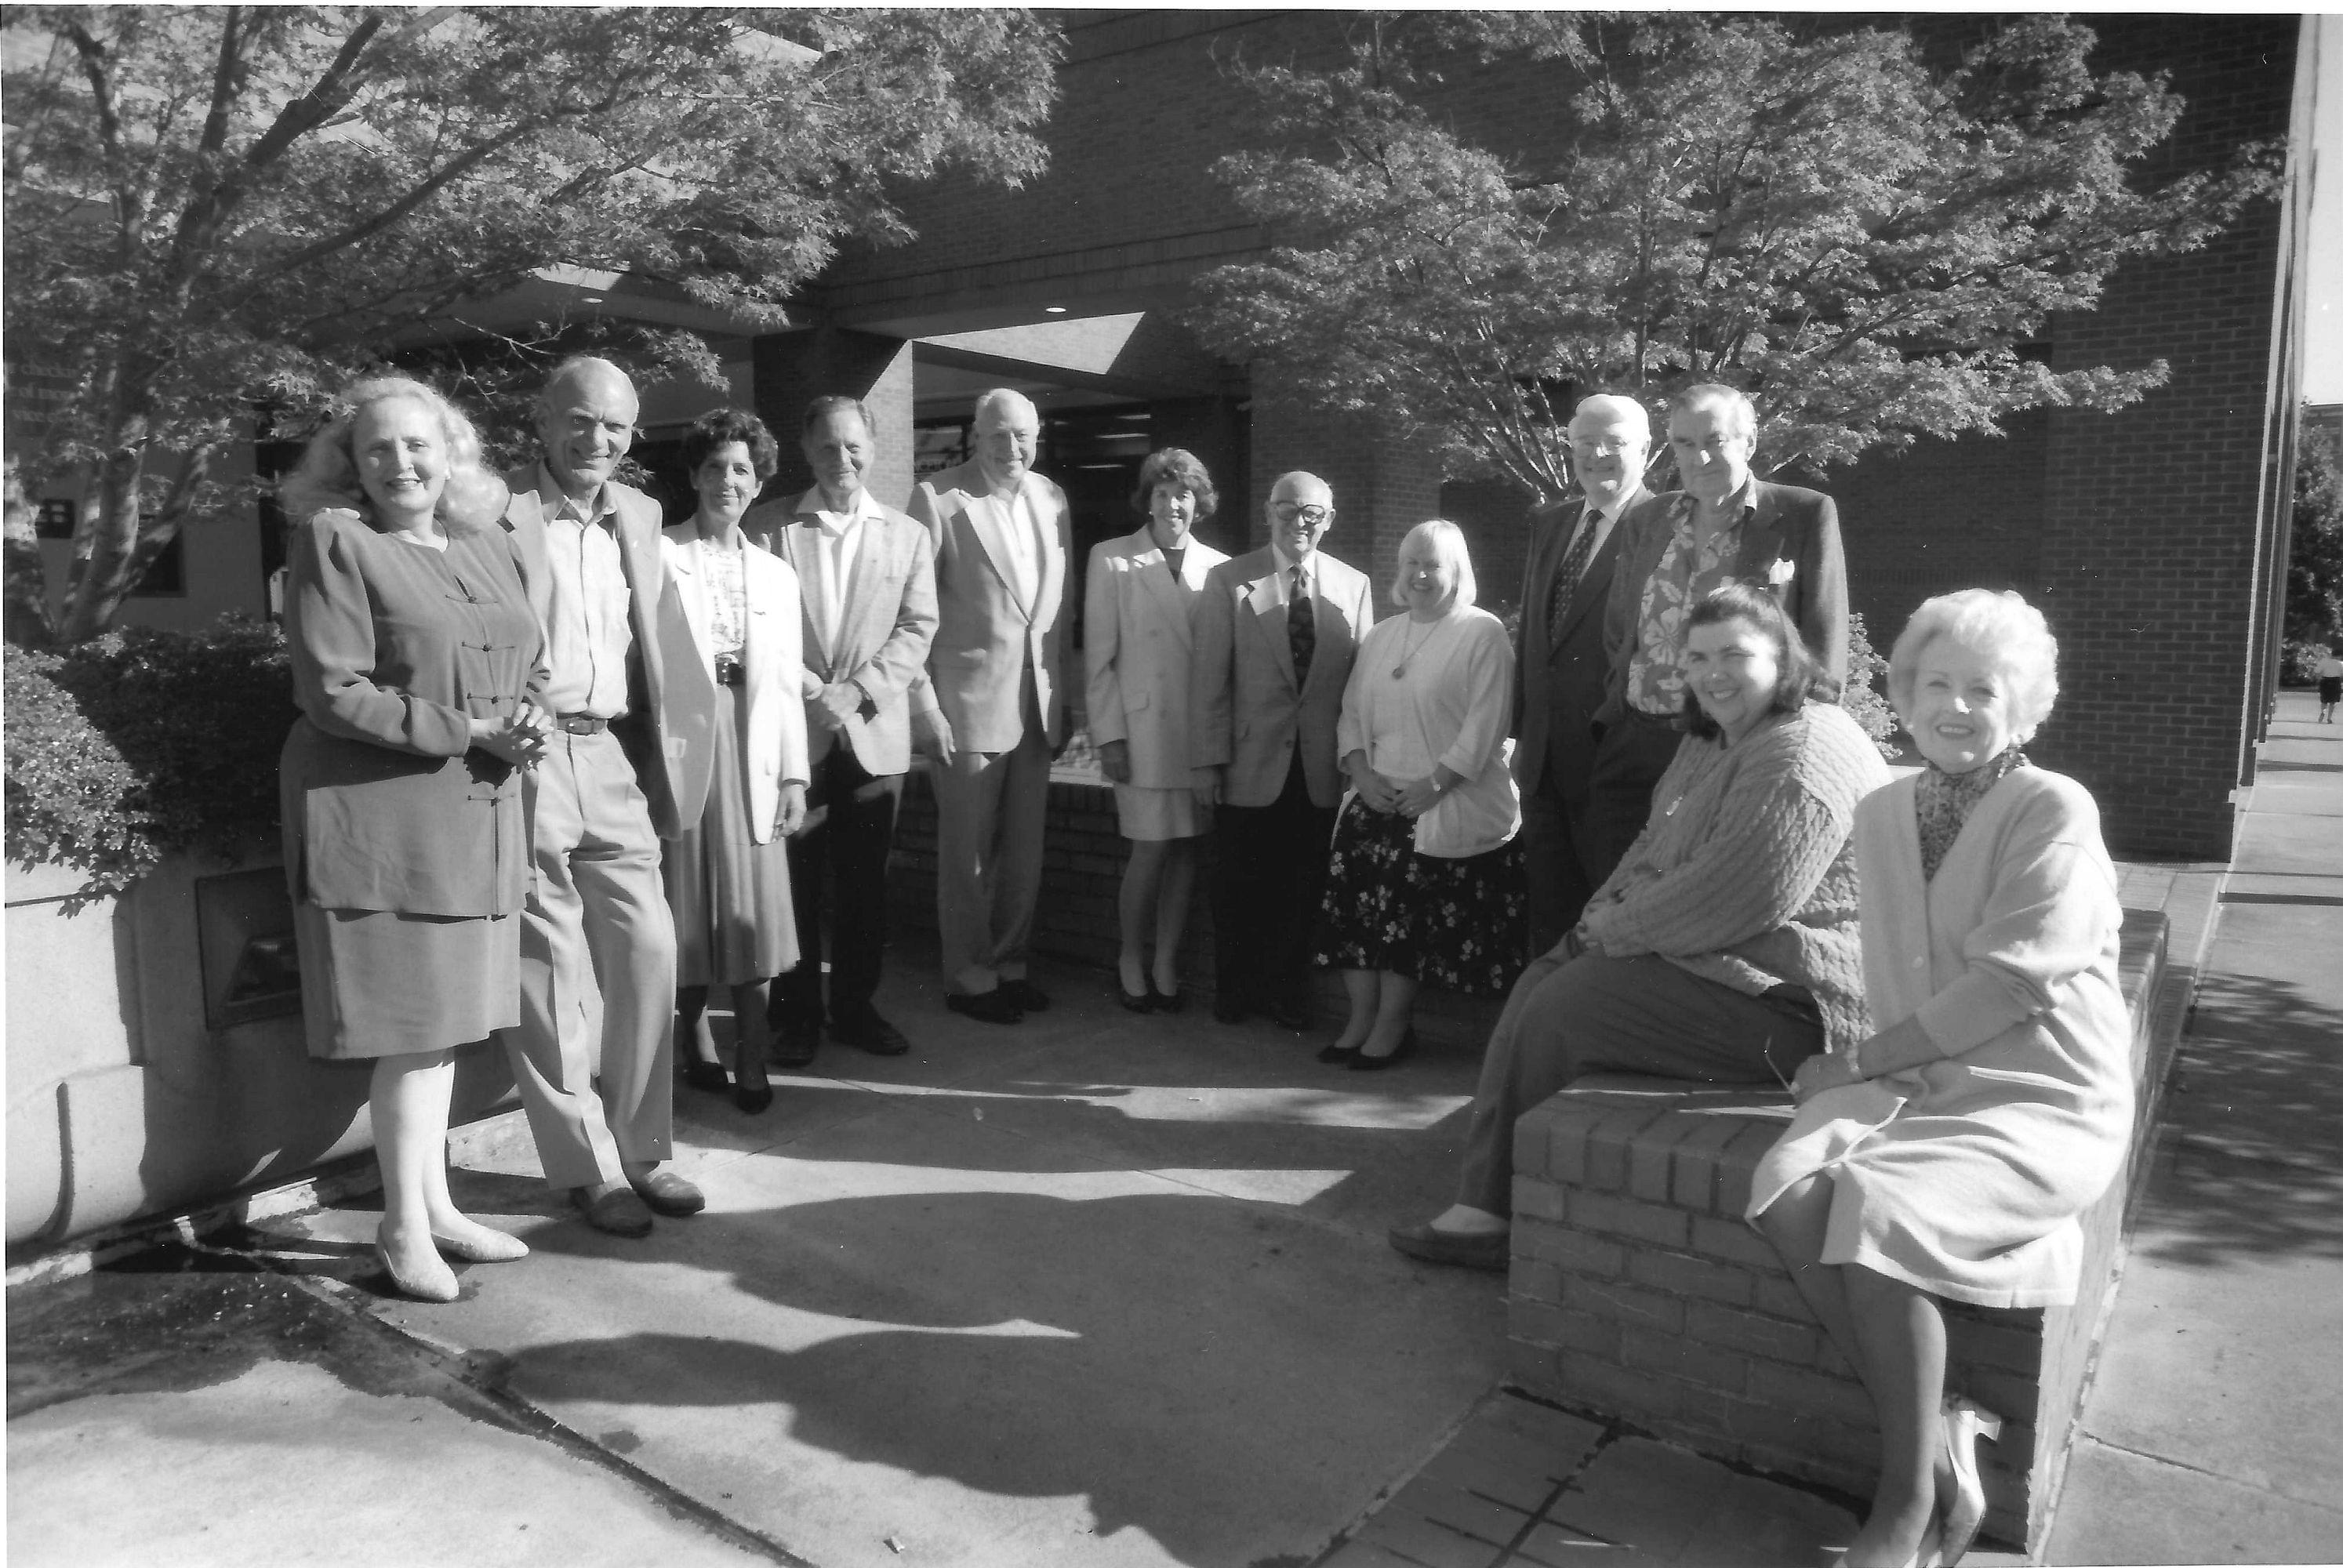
(1866, 238)
(216, 210)
(2314, 563)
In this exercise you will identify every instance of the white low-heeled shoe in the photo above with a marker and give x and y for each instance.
(1965, 1421)
(1929, 1554)
(485, 1247)
(436, 1283)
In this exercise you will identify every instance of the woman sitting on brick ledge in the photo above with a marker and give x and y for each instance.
(1950, 1153)
(1724, 949)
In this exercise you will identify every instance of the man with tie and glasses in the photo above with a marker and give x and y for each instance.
(1002, 533)
(866, 586)
(1565, 668)
(1275, 634)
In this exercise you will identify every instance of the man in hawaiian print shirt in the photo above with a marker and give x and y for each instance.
(1726, 525)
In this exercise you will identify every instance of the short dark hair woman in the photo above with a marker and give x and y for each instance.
(727, 875)
(1723, 948)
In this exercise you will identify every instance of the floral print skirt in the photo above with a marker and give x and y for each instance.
(1453, 923)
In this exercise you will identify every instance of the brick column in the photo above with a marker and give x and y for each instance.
(790, 368)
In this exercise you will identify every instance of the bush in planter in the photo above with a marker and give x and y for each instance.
(142, 743)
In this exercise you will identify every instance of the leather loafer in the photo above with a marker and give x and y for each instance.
(1025, 996)
(668, 1193)
(872, 1033)
(986, 1007)
(618, 1212)
(1492, 1252)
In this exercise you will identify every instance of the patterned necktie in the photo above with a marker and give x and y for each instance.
(1565, 581)
(1301, 627)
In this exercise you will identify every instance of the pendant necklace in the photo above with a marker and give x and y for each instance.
(1407, 650)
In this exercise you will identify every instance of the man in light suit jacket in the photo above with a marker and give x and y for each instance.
(1724, 526)
(1002, 533)
(1565, 669)
(626, 764)
(867, 580)
(1266, 687)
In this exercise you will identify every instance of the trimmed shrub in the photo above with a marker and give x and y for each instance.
(1865, 697)
(144, 743)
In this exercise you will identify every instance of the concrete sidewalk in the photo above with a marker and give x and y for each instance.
(1101, 1290)
(2211, 1433)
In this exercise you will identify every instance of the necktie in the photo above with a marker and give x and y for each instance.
(1565, 581)
(1301, 627)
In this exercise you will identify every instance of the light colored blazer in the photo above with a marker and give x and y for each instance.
(1137, 636)
(883, 638)
(669, 728)
(1246, 714)
(1449, 707)
(774, 748)
(986, 635)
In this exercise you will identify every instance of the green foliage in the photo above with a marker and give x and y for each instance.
(2314, 567)
(142, 743)
(211, 208)
(1869, 243)
(1865, 697)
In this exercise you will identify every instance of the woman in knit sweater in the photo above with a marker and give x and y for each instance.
(1951, 1152)
(1723, 948)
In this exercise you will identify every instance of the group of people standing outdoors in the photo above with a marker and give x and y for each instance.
(560, 772)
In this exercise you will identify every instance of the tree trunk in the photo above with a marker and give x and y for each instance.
(107, 542)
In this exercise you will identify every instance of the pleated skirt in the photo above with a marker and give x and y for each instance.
(734, 922)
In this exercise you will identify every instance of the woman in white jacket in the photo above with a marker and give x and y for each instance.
(727, 877)
(1949, 1153)
(1139, 611)
(1425, 885)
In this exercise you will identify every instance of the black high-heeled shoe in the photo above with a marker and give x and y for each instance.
(1337, 1055)
(1362, 1062)
(1166, 1001)
(1144, 1002)
(707, 1077)
(754, 1100)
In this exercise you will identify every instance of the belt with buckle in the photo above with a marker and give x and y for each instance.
(581, 723)
(729, 670)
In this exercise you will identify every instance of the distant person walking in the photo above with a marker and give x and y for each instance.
(417, 664)
(2330, 684)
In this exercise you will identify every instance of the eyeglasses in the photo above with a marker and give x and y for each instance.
(1288, 511)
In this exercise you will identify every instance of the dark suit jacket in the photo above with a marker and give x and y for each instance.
(1792, 524)
(1563, 680)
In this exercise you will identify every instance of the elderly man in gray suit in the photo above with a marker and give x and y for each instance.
(867, 588)
(1566, 668)
(1276, 631)
(627, 762)
(1001, 535)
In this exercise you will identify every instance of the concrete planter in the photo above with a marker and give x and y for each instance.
(127, 1095)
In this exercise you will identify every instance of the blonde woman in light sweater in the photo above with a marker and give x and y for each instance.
(1425, 885)
(1950, 1153)
(1723, 948)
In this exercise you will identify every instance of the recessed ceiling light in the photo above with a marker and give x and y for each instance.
(590, 299)
(1053, 310)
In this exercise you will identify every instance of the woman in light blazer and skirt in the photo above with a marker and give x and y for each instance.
(728, 876)
(1425, 886)
(1138, 619)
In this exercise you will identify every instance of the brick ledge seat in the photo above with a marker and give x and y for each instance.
(1638, 1292)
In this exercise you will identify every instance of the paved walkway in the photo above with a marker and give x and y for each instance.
(1100, 1291)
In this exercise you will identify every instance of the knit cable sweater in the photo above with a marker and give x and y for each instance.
(1744, 873)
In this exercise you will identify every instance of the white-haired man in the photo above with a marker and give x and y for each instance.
(627, 763)
(1566, 668)
(1726, 525)
(1002, 534)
